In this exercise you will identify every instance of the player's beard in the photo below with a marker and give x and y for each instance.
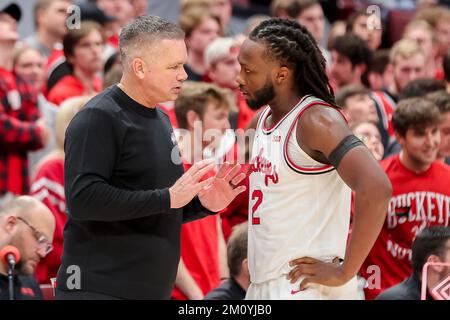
(262, 97)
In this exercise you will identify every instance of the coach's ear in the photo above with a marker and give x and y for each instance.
(138, 66)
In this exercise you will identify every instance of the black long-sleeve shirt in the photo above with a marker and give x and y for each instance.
(121, 158)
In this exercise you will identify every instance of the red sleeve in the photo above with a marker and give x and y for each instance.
(14, 131)
(245, 113)
(67, 87)
(57, 96)
(48, 187)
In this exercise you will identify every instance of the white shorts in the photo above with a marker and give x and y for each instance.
(282, 289)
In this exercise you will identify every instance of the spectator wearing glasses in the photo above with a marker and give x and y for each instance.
(28, 225)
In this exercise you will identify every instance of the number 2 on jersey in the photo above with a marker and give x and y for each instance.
(258, 195)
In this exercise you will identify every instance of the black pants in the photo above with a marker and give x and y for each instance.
(82, 295)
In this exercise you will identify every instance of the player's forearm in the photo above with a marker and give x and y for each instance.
(371, 203)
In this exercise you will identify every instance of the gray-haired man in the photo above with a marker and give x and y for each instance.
(126, 191)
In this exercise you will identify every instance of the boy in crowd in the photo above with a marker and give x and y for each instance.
(357, 104)
(420, 198)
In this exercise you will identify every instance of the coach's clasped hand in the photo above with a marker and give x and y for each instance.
(316, 271)
(215, 193)
(189, 185)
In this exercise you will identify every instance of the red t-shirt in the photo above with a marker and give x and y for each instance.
(237, 211)
(418, 201)
(48, 187)
(113, 40)
(170, 111)
(440, 75)
(200, 251)
(69, 86)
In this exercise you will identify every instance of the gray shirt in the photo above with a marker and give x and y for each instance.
(34, 42)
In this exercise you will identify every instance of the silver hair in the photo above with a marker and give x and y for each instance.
(144, 31)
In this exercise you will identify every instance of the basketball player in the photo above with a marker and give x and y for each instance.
(305, 161)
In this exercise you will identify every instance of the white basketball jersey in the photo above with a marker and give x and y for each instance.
(298, 207)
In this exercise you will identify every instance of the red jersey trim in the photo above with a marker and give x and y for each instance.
(323, 169)
(262, 116)
(266, 130)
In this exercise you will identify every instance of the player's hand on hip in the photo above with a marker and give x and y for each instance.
(329, 274)
(223, 187)
(189, 185)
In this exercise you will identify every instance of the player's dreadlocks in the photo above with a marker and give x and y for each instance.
(293, 46)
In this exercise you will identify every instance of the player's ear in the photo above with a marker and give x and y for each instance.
(282, 75)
